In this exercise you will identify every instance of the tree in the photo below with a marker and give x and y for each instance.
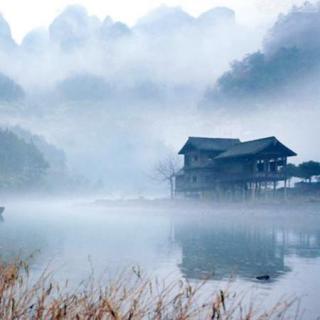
(308, 170)
(21, 163)
(290, 171)
(167, 169)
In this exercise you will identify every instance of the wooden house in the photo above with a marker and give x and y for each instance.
(218, 167)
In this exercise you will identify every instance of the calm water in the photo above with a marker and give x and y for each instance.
(175, 242)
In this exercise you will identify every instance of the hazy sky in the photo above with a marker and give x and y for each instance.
(24, 15)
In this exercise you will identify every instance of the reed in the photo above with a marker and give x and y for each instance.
(130, 296)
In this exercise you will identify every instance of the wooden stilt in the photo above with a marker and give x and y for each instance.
(253, 191)
(266, 190)
(285, 190)
(244, 192)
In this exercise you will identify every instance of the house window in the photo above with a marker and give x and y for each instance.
(195, 158)
(260, 165)
(194, 179)
(272, 166)
(280, 161)
(280, 164)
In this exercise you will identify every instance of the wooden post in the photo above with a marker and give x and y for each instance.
(244, 192)
(233, 193)
(218, 191)
(285, 190)
(253, 191)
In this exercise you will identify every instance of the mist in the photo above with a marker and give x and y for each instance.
(115, 99)
(176, 150)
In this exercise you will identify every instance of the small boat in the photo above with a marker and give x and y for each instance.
(2, 209)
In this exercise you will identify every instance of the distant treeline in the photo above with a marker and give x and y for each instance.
(305, 170)
(21, 163)
(29, 163)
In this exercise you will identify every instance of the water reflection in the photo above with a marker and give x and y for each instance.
(220, 252)
(190, 243)
(218, 248)
(20, 239)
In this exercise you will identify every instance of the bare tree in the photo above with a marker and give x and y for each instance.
(167, 169)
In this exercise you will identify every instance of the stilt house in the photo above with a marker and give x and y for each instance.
(219, 167)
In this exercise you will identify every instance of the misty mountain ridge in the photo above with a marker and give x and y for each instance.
(287, 67)
(216, 16)
(9, 90)
(36, 41)
(118, 60)
(297, 29)
(84, 87)
(75, 34)
(6, 41)
(73, 27)
(164, 19)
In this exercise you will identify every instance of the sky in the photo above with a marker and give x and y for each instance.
(25, 15)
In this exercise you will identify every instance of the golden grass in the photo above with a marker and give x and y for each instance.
(130, 296)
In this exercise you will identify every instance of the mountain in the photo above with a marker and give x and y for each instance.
(164, 20)
(9, 89)
(84, 87)
(54, 156)
(300, 29)
(73, 27)
(36, 40)
(217, 16)
(22, 163)
(287, 68)
(6, 40)
(111, 30)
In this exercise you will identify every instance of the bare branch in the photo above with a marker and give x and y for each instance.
(167, 169)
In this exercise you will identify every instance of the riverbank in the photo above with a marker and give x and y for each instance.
(131, 295)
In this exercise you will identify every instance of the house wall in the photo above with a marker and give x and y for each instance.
(236, 167)
(199, 159)
(196, 179)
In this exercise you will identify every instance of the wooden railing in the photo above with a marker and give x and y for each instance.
(182, 184)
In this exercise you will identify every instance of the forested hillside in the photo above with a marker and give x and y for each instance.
(22, 164)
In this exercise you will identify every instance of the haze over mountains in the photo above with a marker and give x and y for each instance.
(77, 44)
(121, 97)
(286, 68)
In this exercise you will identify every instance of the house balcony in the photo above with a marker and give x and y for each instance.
(253, 177)
(187, 183)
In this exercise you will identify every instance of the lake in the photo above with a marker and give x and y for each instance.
(230, 245)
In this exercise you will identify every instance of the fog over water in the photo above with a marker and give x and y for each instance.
(173, 241)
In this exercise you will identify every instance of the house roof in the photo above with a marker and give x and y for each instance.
(254, 147)
(208, 144)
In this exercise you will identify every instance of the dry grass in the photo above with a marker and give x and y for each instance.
(131, 296)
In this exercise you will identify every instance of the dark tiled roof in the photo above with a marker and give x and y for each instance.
(253, 147)
(209, 144)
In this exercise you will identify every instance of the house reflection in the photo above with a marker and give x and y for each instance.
(242, 249)
(303, 243)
